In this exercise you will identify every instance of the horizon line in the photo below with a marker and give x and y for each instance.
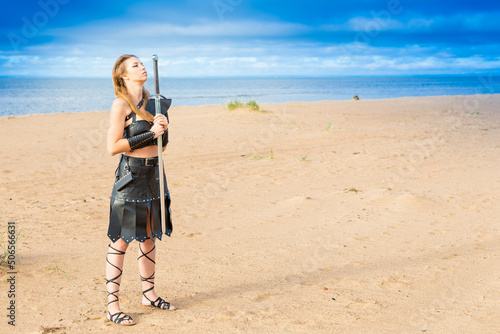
(271, 76)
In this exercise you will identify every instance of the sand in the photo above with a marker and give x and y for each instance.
(369, 216)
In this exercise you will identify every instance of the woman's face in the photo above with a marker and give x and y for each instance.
(135, 70)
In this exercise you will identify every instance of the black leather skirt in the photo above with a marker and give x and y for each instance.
(135, 196)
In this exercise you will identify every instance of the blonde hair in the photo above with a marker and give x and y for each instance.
(121, 89)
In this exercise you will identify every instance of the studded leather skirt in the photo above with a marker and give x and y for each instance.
(135, 201)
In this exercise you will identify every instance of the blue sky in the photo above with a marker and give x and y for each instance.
(74, 38)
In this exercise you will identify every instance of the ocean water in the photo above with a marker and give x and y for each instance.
(24, 96)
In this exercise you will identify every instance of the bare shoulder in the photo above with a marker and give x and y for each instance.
(120, 107)
(120, 104)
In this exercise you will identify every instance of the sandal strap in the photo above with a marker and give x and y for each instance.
(146, 254)
(151, 278)
(160, 304)
(112, 280)
(118, 252)
(146, 291)
(117, 319)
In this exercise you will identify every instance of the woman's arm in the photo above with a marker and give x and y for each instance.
(115, 141)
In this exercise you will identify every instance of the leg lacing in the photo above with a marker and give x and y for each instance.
(159, 302)
(119, 317)
(150, 279)
(112, 280)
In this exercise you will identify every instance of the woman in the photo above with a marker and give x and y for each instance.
(135, 199)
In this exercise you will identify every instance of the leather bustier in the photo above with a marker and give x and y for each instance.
(138, 127)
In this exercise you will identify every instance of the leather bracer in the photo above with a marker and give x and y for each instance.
(140, 139)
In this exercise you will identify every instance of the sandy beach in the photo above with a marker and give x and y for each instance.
(369, 216)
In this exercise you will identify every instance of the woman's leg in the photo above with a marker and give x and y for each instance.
(114, 270)
(146, 260)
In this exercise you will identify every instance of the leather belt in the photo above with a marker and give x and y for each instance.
(149, 162)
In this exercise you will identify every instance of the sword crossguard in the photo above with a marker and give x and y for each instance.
(157, 95)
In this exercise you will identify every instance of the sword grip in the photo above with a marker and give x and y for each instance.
(157, 79)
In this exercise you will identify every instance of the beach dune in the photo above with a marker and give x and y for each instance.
(369, 216)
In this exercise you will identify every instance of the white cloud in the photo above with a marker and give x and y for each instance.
(287, 61)
(144, 32)
(419, 23)
(230, 48)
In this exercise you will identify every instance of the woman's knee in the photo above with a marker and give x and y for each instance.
(148, 244)
(120, 245)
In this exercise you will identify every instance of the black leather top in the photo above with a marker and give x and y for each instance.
(138, 127)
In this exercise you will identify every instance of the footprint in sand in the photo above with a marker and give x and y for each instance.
(266, 222)
(451, 256)
(286, 215)
(356, 263)
(225, 228)
(292, 200)
(296, 199)
(263, 297)
(363, 238)
(308, 283)
(438, 232)
(485, 236)
(98, 281)
(59, 329)
(194, 235)
(401, 203)
(411, 202)
(363, 303)
(234, 313)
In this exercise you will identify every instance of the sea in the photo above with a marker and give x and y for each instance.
(26, 96)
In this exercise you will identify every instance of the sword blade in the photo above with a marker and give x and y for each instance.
(160, 142)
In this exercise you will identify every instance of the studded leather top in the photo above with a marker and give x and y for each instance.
(140, 126)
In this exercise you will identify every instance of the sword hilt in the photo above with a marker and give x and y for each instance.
(157, 79)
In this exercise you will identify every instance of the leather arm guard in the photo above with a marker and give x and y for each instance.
(138, 140)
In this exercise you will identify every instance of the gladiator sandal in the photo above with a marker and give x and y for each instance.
(159, 302)
(118, 317)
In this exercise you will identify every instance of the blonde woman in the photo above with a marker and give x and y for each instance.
(135, 198)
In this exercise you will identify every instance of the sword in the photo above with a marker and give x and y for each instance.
(160, 141)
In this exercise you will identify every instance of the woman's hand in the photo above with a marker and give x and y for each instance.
(161, 120)
(158, 129)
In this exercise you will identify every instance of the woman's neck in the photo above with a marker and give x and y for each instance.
(135, 91)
